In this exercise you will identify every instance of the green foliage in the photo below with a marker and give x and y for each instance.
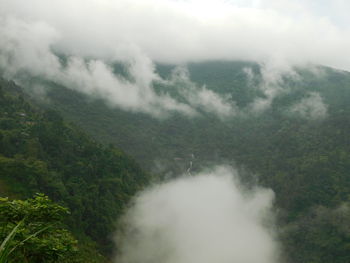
(321, 236)
(39, 152)
(33, 232)
(5, 248)
(305, 161)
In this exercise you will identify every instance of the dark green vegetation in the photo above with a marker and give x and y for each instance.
(32, 231)
(305, 160)
(39, 152)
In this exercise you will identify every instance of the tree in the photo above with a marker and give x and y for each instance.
(33, 232)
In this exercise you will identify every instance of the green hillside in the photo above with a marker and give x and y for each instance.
(303, 158)
(40, 152)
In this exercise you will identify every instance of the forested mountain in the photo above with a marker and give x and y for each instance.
(174, 131)
(299, 145)
(41, 153)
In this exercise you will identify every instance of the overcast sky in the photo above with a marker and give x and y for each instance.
(278, 34)
(172, 31)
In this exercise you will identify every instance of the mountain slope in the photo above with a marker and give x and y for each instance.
(298, 145)
(40, 152)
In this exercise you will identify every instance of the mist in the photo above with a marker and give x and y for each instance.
(311, 107)
(26, 54)
(92, 35)
(210, 217)
(178, 31)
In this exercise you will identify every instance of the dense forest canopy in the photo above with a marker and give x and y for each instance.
(298, 145)
(104, 104)
(40, 152)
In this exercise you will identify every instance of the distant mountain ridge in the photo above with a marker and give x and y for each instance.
(298, 145)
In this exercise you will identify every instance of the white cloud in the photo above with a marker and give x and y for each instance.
(202, 219)
(273, 75)
(180, 31)
(312, 107)
(25, 52)
(201, 97)
(27, 46)
(277, 34)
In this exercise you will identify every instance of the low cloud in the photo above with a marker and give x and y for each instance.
(271, 83)
(279, 35)
(207, 218)
(178, 31)
(26, 48)
(23, 57)
(200, 97)
(312, 107)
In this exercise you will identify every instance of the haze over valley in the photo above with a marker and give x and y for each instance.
(175, 131)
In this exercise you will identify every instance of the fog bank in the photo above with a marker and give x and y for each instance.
(207, 218)
(92, 35)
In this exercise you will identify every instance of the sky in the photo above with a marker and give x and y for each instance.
(175, 31)
(278, 34)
